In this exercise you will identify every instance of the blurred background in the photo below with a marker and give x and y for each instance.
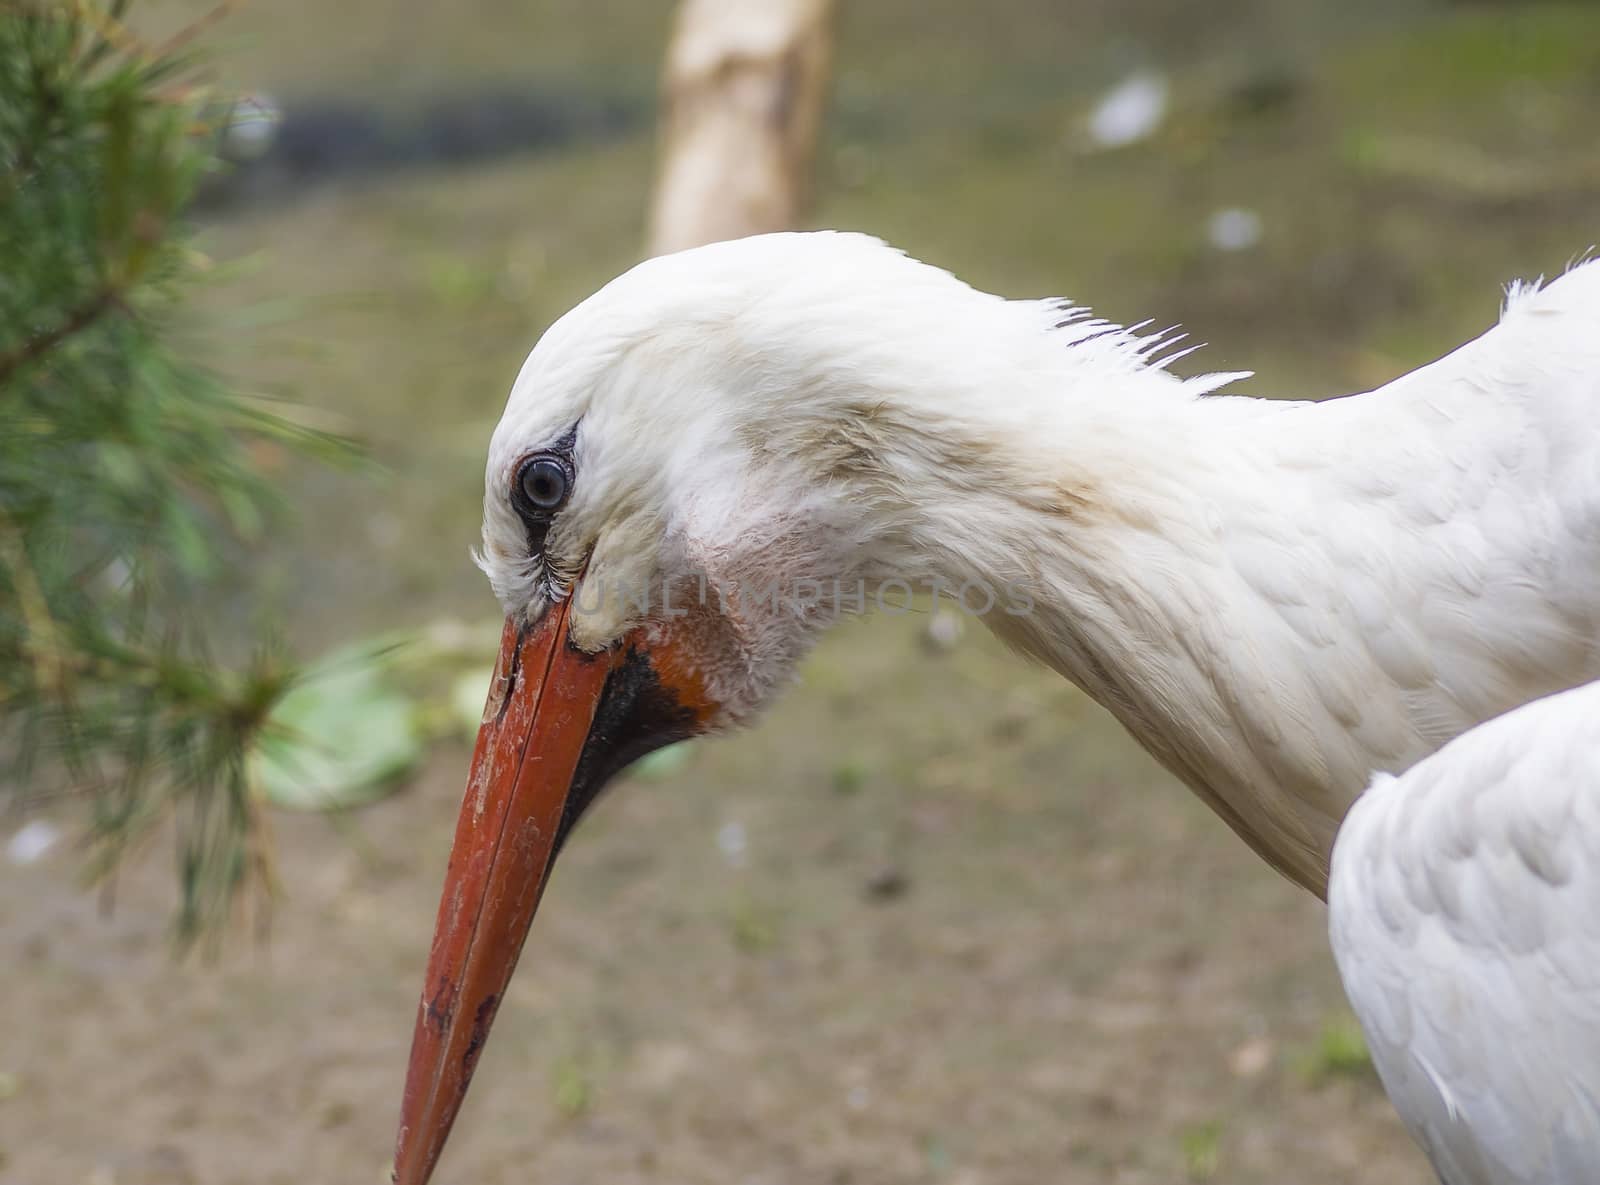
(937, 920)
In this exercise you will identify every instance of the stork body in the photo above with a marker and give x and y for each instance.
(1277, 599)
(1465, 918)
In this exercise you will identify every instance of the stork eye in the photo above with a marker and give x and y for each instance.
(544, 484)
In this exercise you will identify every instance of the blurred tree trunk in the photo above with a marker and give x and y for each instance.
(742, 100)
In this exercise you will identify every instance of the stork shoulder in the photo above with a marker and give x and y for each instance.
(1574, 293)
(1537, 367)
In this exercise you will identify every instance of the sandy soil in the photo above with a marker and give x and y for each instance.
(1084, 977)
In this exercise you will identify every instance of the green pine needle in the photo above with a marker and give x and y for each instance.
(123, 464)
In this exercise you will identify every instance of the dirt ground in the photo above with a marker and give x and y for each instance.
(972, 936)
(937, 920)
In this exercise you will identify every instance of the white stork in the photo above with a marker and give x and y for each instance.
(1464, 910)
(1277, 599)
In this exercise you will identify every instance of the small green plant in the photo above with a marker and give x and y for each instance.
(1202, 1150)
(849, 776)
(573, 1087)
(1340, 1051)
(754, 927)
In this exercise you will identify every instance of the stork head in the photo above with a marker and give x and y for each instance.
(667, 468)
(679, 455)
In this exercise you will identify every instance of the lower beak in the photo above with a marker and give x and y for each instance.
(557, 725)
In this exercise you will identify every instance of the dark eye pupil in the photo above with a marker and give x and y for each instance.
(544, 484)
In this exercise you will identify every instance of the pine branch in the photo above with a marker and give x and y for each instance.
(109, 696)
(86, 314)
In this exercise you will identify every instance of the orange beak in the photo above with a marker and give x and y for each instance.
(557, 725)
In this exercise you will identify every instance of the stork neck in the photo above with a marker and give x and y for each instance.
(1109, 512)
(1102, 508)
(967, 438)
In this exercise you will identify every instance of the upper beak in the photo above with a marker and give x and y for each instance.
(558, 723)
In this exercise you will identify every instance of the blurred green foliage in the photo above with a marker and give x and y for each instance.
(1340, 1051)
(1202, 1150)
(125, 468)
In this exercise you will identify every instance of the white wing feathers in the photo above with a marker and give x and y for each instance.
(1465, 920)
